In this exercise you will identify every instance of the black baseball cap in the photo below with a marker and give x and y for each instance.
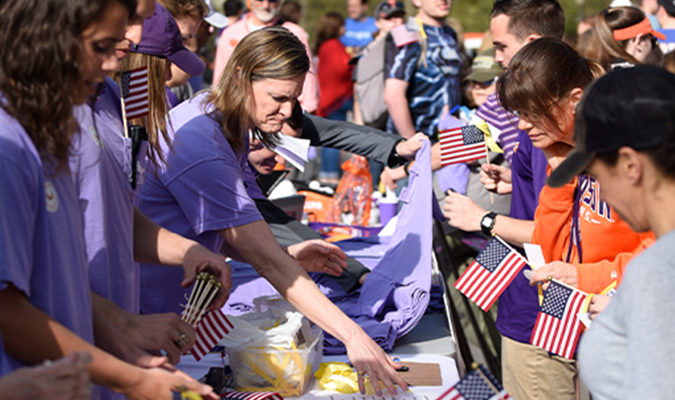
(389, 8)
(669, 5)
(632, 107)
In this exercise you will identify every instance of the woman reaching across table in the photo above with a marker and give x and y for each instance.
(201, 192)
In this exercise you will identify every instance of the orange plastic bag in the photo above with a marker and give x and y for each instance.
(353, 193)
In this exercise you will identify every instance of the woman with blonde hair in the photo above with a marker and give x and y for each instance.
(201, 192)
(161, 46)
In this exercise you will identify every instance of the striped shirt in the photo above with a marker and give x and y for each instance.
(507, 122)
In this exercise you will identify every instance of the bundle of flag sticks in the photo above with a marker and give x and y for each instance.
(203, 292)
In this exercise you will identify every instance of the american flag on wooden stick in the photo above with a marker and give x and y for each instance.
(478, 384)
(490, 273)
(558, 328)
(236, 395)
(210, 330)
(134, 86)
(460, 145)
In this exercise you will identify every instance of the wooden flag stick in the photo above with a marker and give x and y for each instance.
(196, 290)
(487, 158)
(124, 113)
(202, 297)
(216, 289)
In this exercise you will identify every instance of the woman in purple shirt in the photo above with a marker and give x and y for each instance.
(201, 192)
(53, 56)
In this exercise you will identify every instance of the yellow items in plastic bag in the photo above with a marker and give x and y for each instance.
(340, 377)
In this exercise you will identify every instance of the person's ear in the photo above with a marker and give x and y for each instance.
(630, 165)
(531, 38)
(575, 97)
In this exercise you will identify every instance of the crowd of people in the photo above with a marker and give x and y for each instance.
(106, 221)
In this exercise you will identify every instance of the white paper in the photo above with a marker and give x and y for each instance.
(294, 150)
(534, 255)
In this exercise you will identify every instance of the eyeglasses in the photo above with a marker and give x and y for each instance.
(269, 1)
(486, 83)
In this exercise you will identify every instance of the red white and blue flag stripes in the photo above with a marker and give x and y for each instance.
(490, 273)
(461, 144)
(558, 328)
(134, 86)
(478, 384)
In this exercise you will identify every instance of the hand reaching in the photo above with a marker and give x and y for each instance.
(369, 359)
(162, 331)
(408, 148)
(319, 256)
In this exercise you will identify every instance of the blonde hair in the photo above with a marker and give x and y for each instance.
(155, 122)
(268, 53)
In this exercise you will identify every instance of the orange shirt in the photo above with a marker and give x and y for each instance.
(607, 242)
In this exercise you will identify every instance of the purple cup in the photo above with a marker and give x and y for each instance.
(387, 210)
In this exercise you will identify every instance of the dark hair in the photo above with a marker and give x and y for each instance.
(329, 28)
(41, 43)
(543, 72)
(232, 7)
(545, 18)
(606, 22)
(268, 53)
(661, 155)
(290, 11)
(182, 8)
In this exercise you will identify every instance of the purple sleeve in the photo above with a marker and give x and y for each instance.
(209, 203)
(251, 183)
(529, 177)
(18, 212)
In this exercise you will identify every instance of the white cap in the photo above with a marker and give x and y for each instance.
(214, 17)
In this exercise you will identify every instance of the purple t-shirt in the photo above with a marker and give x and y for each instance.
(41, 241)
(108, 209)
(519, 305)
(200, 191)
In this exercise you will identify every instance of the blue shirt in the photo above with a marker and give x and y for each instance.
(433, 82)
(668, 44)
(358, 33)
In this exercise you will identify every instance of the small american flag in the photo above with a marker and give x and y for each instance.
(134, 85)
(210, 330)
(251, 396)
(478, 384)
(490, 273)
(558, 328)
(402, 36)
(460, 145)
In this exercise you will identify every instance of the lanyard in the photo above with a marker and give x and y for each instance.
(575, 231)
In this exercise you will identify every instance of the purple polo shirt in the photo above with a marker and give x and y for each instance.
(198, 192)
(519, 305)
(41, 241)
(108, 209)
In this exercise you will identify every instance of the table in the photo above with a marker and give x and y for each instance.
(449, 375)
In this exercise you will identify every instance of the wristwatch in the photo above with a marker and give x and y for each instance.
(488, 222)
